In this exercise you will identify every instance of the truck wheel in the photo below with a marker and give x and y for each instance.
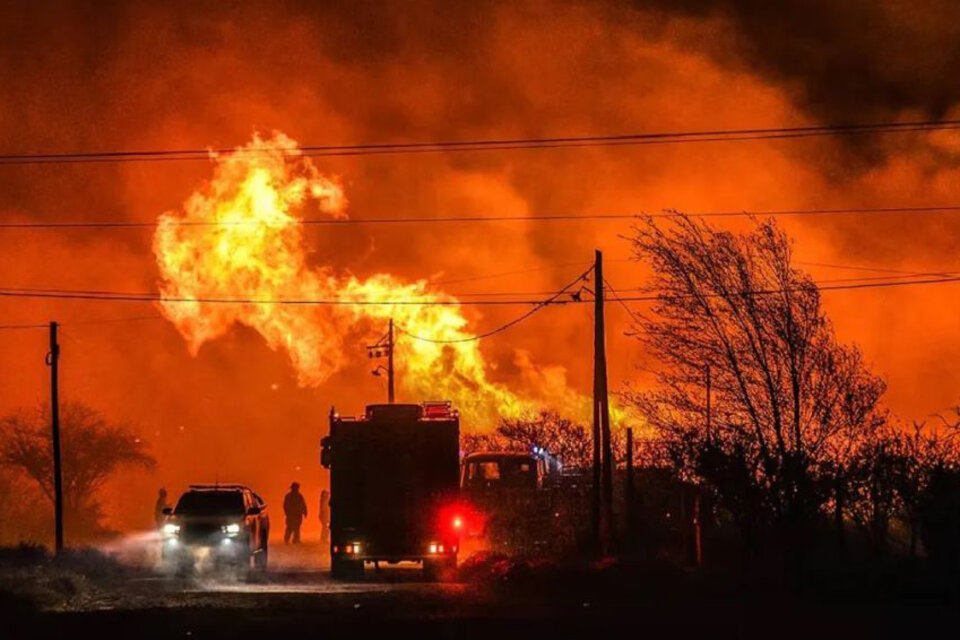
(346, 569)
(336, 568)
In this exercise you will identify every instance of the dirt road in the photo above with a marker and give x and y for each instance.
(297, 598)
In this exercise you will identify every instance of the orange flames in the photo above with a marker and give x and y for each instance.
(239, 238)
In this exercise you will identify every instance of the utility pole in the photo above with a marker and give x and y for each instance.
(53, 359)
(391, 397)
(708, 381)
(601, 412)
(384, 347)
(629, 490)
(697, 499)
(595, 486)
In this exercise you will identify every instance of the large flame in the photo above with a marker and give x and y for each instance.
(238, 238)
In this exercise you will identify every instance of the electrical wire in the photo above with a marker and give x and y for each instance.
(837, 287)
(633, 314)
(585, 217)
(80, 323)
(12, 327)
(120, 296)
(638, 138)
(551, 300)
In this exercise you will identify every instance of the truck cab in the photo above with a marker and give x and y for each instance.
(394, 475)
(509, 496)
(491, 472)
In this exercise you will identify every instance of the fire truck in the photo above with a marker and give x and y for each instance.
(394, 483)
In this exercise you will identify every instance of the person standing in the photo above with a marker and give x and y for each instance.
(295, 510)
(324, 517)
(159, 506)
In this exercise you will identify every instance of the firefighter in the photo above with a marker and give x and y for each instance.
(324, 517)
(295, 510)
(160, 505)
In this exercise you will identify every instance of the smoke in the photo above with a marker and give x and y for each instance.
(843, 61)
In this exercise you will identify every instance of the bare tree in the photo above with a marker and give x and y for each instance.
(93, 449)
(786, 394)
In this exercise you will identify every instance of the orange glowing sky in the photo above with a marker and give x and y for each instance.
(130, 75)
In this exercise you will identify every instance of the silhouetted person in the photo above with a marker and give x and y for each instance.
(295, 509)
(158, 508)
(324, 517)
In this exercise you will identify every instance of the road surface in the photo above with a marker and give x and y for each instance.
(296, 598)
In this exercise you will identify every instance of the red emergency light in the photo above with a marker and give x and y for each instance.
(437, 410)
(453, 520)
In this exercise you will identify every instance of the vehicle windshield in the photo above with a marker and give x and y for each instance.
(210, 503)
(487, 470)
(506, 471)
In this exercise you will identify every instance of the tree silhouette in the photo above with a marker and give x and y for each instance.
(569, 441)
(93, 449)
(786, 396)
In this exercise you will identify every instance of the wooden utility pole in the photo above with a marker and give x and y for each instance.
(697, 498)
(697, 539)
(629, 490)
(53, 360)
(708, 381)
(601, 412)
(384, 347)
(595, 486)
(391, 396)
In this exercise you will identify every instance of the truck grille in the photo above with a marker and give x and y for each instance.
(196, 533)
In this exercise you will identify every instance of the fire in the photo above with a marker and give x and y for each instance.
(238, 237)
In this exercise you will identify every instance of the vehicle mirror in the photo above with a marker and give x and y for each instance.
(325, 452)
(253, 511)
(167, 511)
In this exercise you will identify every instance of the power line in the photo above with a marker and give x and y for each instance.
(79, 323)
(616, 296)
(346, 150)
(837, 287)
(12, 327)
(107, 295)
(539, 304)
(551, 300)
(888, 277)
(503, 274)
(600, 217)
(120, 296)
(850, 267)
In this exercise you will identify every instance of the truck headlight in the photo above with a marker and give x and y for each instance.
(170, 530)
(230, 529)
